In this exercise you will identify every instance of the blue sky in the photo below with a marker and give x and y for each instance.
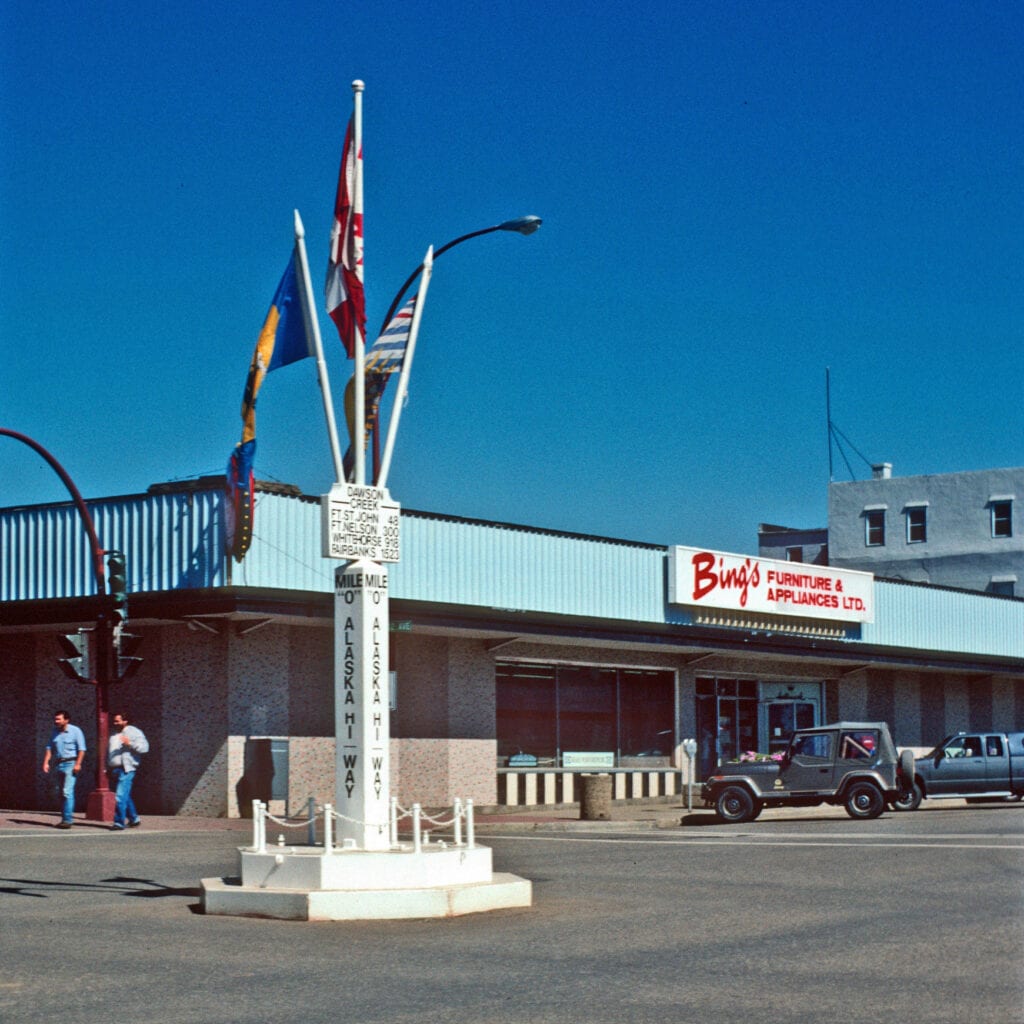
(735, 197)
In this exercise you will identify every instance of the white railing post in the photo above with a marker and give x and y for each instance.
(328, 829)
(258, 841)
(457, 814)
(393, 821)
(470, 837)
(416, 839)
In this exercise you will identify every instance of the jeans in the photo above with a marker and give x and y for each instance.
(65, 783)
(124, 806)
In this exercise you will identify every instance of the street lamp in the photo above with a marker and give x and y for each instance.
(521, 225)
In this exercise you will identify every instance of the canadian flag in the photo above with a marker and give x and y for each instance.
(346, 302)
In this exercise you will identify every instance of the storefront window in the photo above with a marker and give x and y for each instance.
(646, 714)
(586, 708)
(526, 714)
(544, 711)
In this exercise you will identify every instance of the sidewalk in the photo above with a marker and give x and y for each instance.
(47, 821)
(633, 815)
(624, 817)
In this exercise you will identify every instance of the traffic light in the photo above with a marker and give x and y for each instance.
(80, 665)
(117, 583)
(125, 665)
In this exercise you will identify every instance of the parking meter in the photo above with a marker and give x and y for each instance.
(690, 750)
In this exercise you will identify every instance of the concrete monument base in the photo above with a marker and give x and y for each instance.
(307, 884)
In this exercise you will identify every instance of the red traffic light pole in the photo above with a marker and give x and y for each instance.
(100, 806)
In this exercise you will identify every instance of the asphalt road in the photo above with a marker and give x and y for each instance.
(912, 917)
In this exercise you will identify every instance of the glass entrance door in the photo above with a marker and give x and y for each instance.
(782, 717)
(726, 721)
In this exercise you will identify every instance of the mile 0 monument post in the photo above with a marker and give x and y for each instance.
(360, 525)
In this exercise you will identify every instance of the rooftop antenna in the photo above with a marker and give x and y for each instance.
(828, 419)
(836, 436)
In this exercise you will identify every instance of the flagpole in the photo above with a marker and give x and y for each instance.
(313, 331)
(360, 345)
(403, 377)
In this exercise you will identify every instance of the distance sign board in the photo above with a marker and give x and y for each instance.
(359, 522)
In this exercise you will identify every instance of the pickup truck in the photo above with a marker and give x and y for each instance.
(970, 766)
(852, 764)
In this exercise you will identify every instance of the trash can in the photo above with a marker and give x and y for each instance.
(595, 797)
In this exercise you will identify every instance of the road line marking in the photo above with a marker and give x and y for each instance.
(745, 841)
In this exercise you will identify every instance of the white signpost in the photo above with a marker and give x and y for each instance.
(361, 704)
(360, 524)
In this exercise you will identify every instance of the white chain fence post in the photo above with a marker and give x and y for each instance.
(259, 828)
(416, 838)
(470, 836)
(328, 829)
(457, 812)
(311, 812)
(393, 822)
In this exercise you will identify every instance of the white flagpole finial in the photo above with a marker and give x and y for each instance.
(358, 85)
(300, 231)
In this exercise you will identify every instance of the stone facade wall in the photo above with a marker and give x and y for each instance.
(207, 699)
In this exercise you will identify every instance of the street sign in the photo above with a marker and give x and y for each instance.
(359, 522)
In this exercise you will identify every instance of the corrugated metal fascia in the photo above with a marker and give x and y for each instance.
(170, 541)
(285, 550)
(467, 562)
(491, 566)
(945, 620)
(175, 540)
(44, 553)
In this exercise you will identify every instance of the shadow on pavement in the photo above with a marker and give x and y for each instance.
(39, 888)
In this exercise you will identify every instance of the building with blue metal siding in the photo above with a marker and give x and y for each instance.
(516, 653)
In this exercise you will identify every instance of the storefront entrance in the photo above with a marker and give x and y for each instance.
(737, 716)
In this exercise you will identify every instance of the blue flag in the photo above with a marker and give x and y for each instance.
(282, 340)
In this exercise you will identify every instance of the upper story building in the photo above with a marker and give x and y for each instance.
(961, 530)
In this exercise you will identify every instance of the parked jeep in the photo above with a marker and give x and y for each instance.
(852, 764)
(972, 766)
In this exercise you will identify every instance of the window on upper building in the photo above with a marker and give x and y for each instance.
(917, 524)
(794, 554)
(1002, 518)
(1004, 586)
(874, 528)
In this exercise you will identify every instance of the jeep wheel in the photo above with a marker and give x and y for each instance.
(909, 799)
(736, 805)
(864, 800)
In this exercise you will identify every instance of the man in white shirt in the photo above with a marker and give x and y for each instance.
(126, 746)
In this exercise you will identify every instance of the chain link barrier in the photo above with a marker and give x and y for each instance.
(462, 813)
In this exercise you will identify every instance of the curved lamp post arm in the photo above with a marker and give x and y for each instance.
(522, 225)
(83, 511)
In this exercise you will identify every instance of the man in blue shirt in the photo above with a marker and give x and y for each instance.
(126, 746)
(66, 750)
